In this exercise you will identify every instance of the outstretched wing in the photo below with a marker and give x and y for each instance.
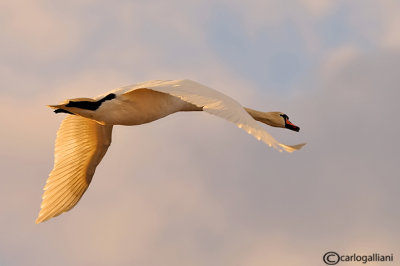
(215, 103)
(80, 145)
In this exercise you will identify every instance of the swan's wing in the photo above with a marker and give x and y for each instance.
(80, 145)
(215, 103)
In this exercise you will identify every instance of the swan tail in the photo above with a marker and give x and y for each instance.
(60, 108)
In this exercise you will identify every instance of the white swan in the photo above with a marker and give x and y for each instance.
(84, 136)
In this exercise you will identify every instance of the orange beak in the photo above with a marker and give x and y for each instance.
(291, 126)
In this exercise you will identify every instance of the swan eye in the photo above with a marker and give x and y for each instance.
(284, 116)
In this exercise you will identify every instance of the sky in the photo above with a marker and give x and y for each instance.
(192, 189)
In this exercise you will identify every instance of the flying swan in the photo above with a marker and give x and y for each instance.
(85, 135)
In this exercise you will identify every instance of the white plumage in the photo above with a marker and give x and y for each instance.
(84, 137)
(213, 102)
(80, 145)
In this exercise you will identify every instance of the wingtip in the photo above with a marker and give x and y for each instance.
(292, 148)
(38, 220)
(42, 218)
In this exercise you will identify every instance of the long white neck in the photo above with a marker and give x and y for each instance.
(270, 118)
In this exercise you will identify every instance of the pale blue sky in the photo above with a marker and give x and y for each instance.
(191, 189)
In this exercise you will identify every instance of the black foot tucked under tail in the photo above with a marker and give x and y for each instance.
(62, 111)
(93, 106)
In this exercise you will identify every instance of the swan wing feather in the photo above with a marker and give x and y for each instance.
(80, 145)
(213, 102)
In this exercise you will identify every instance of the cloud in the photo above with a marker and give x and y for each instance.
(30, 29)
(319, 8)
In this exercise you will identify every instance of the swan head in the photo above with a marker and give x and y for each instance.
(274, 119)
(287, 124)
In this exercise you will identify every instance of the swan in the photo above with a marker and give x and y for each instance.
(85, 134)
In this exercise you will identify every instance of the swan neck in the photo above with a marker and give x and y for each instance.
(268, 118)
